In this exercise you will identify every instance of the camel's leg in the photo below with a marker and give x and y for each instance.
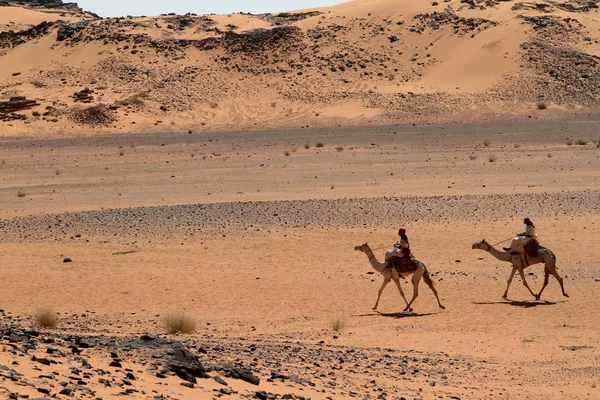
(546, 276)
(522, 273)
(429, 283)
(552, 270)
(386, 280)
(397, 282)
(510, 278)
(415, 281)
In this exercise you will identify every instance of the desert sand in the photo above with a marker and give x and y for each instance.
(241, 200)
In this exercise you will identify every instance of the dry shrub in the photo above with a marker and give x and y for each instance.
(541, 105)
(493, 158)
(94, 115)
(582, 142)
(179, 322)
(21, 193)
(46, 317)
(338, 323)
(319, 144)
(287, 153)
(486, 143)
(339, 148)
(307, 145)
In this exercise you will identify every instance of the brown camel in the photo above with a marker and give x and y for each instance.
(544, 255)
(390, 274)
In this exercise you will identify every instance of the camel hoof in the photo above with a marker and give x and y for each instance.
(442, 307)
(566, 295)
(537, 297)
(374, 308)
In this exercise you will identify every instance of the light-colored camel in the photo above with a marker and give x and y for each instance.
(389, 274)
(545, 256)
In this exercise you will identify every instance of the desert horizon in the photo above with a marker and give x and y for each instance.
(188, 203)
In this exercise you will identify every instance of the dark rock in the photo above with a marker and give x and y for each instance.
(184, 364)
(67, 260)
(245, 375)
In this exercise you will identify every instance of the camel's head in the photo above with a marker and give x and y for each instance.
(362, 247)
(483, 245)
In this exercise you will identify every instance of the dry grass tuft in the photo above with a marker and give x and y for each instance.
(21, 193)
(46, 317)
(486, 143)
(541, 105)
(179, 322)
(472, 157)
(493, 158)
(339, 148)
(287, 153)
(338, 323)
(307, 145)
(569, 142)
(582, 142)
(319, 144)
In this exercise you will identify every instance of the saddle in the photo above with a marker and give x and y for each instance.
(531, 248)
(403, 264)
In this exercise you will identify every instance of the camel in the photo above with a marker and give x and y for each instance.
(389, 274)
(545, 256)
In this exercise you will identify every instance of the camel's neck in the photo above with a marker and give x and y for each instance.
(377, 266)
(500, 255)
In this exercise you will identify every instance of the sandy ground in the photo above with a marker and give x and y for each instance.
(257, 245)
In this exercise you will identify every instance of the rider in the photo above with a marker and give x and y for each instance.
(401, 249)
(531, 245)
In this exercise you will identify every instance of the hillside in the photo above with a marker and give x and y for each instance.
(365, 61)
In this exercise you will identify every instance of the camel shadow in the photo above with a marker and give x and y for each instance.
(524, 304)
(398, 315)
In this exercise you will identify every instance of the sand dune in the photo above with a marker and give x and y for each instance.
(360, 62)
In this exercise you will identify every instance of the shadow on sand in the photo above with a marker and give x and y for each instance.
(396, 314)
(524, 304)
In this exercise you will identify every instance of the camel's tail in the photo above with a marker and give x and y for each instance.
(428, 280)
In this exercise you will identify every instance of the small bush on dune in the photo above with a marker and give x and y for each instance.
(338, 323)
(21, 193)
(94, 115)
(179, 322)
(541, 105)
(46, 317)
(319, 144)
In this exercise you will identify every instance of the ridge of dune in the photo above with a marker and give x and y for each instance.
(365, 61)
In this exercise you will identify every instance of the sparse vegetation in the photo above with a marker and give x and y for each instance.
(338, 323)
(307, 145)
(569, 142)
(46, 317)
(21, 193)
(541, 105)
(122, 152)
(339, 148)
(319, 144)
(582, 142)
(486, 143)
(332, 186)
(549, 155)
(516, 145)
(472, 157)
(179, 322)
(58, 172)
(287, 153)
(94, 115)
(493, 158)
